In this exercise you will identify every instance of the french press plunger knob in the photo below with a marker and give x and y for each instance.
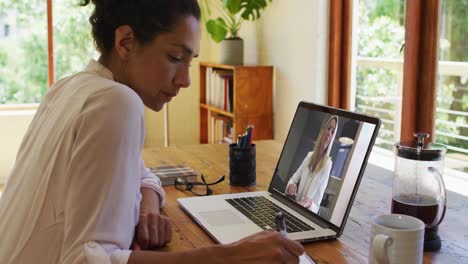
(421, 137)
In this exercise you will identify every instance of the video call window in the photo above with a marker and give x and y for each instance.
(316, 159)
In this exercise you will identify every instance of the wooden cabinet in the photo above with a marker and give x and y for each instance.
(238, 96)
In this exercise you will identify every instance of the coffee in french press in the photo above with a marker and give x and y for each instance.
(418, 186)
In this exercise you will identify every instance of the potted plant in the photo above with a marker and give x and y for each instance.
(225, 28)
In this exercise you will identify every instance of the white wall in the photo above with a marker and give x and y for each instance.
(13, 126)
(293, 37)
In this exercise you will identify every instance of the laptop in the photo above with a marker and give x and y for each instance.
(314, 192)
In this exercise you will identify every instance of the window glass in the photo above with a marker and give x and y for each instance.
(24, 51)
(73, 43)
(378, 75)
(452, 85)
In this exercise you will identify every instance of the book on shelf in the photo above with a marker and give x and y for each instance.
(227, 140)
(219, 88)
(169, 173)
(220, 129)
(208, 84)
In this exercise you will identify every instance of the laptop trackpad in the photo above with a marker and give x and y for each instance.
(221, 217)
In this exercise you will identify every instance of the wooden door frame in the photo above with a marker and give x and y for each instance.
(339, 53)
(50, 44)
(420, 68)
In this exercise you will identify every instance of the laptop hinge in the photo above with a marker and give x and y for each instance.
(303, 211)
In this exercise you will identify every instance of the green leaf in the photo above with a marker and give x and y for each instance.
(218, 29)
(233, 6)
(251, 8)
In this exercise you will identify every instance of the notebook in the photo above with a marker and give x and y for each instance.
(314, 184)
(168, 174)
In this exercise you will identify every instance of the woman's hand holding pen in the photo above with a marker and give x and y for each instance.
(264, 247)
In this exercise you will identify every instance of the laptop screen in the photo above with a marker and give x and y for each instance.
(322, 158)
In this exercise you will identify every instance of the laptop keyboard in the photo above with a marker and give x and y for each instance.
(263, 211)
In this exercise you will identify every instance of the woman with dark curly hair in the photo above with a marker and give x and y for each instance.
(79, 192)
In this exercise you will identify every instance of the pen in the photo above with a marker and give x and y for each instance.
(244, 140)
(251, 135)
(280, 224)
(239, 141)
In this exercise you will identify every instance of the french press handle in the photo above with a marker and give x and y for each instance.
(443, 198)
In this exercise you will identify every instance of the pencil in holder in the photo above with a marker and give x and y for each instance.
(242, 165)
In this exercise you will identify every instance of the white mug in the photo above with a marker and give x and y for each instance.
(396, 238)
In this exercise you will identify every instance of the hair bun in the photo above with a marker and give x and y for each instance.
(147, 18)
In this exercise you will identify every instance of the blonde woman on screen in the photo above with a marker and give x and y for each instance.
(314, 171)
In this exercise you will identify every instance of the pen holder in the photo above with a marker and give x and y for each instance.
(242, 169)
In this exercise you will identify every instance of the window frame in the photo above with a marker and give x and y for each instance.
(339, 53)
(50, 44)
(419, 69)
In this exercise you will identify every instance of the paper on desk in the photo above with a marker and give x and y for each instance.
(305, 259)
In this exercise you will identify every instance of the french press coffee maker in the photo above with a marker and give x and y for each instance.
(418, 186)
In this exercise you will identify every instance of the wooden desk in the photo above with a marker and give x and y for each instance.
(374, 197)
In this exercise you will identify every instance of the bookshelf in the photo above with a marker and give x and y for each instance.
(233, 97)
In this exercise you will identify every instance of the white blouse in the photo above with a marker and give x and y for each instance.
(73, 195)
(318, 183)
